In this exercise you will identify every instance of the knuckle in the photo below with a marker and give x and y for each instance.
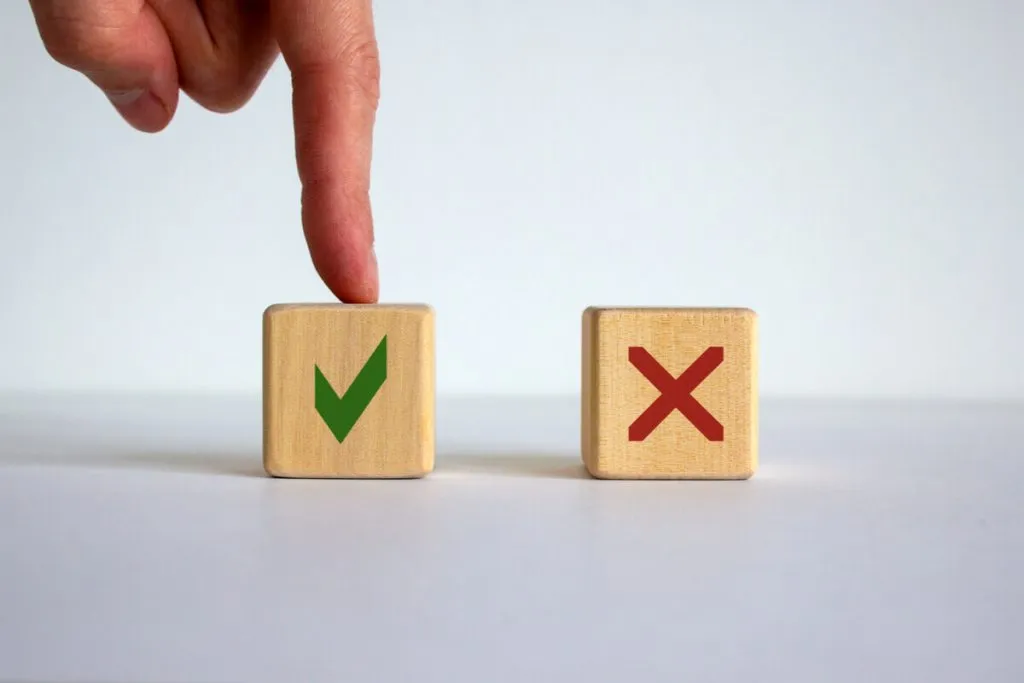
(77, 35)
(218, 88)
(361, 62)
(225, 81)
(354, 65)
(74, 43)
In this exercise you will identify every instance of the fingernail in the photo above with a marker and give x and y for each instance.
(373, 263)
(140, 108)
(125, 98)
(373, 274)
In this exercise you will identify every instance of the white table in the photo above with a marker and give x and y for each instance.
(140, 541)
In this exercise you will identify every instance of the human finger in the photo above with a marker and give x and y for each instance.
(122, 47)
(331, 50)
(224, 48)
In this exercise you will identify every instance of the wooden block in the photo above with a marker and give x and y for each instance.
(348, 391)
(669, 393)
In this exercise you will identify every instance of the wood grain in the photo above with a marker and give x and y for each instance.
(615, 393)
(394, 437)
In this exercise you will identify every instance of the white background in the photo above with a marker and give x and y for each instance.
(880, 541)
(853, 173)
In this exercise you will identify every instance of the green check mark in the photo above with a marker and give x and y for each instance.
(340, 413)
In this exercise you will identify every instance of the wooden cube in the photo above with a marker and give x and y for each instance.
(348, 391)
(669, 393)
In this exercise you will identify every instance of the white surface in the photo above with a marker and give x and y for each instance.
(851, 170)
(140, 542)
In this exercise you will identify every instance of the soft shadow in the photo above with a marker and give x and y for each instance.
(185, 436)
(536, 465)
(219, 463)
(559, 466)
(509, 436)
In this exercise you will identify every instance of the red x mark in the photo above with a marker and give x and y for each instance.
(676, 394)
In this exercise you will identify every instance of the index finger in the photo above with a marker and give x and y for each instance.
(331, 50)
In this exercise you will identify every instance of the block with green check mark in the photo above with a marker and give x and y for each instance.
(348, 390)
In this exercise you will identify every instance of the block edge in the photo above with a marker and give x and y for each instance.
(589, 441)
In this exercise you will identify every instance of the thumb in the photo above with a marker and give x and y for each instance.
(122, 48)
(331, 50)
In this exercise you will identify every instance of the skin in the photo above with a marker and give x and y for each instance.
(142, 53)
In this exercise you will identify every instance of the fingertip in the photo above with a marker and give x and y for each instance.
(341, 247)
(359, 285)
(330, 48)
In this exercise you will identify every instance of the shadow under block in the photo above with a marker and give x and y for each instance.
(348, 391)
(669, 393)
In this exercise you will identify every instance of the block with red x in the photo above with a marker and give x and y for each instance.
(670, 393)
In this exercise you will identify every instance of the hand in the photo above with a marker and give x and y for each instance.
(140, 53)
